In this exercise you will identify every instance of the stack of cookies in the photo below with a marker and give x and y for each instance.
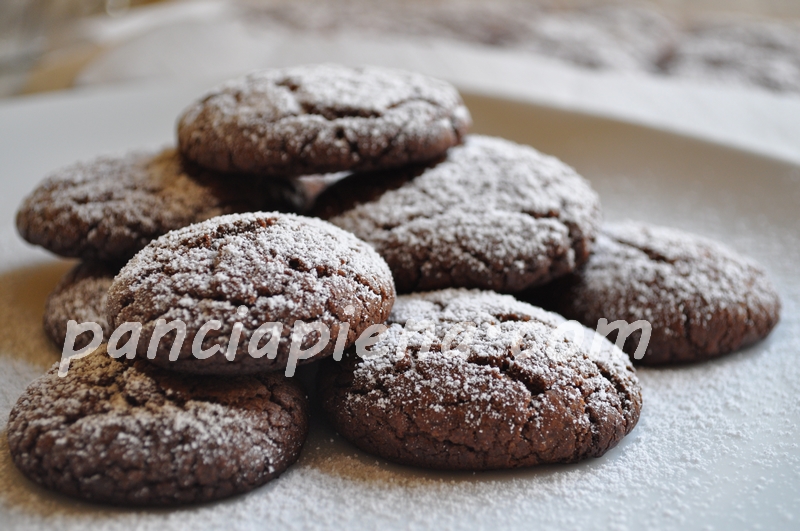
(209, 272)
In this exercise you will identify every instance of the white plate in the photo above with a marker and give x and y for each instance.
(717, 444)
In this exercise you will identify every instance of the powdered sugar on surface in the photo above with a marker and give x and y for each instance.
(716, 446)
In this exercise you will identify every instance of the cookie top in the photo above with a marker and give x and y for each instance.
(130, 433)
(493, 215)
(254, 269)
(322, 118)
(701, 299)
(482, 381)
(79, 296)
(111, 207)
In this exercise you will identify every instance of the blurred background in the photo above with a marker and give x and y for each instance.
(48, 45)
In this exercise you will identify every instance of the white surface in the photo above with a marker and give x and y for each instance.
(717, 444)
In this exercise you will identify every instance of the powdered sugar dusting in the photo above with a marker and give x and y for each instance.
(701, 298)
(81, 297)
(317, 118)
(494, 214)
(481, 380)
(280, 267)
(483, 326)
(716, 444)
(689, 264)
(111, 207)
(127, 432)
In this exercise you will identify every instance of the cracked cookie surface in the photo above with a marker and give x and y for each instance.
(79, 296)
(483, 381)
(277, 268)
(493, 215)
(701, 299)
(128, 433)
(111, 207)
(323, 118)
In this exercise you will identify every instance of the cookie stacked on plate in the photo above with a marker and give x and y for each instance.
(208, 274)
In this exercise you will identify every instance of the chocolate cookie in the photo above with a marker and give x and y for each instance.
(482, 381)
(79, 296)
(254, 269)
(701, 299)
(129, 433)
(322, 118)
(493, 215)
(111, 207)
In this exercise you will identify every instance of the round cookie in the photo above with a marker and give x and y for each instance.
(493, 215)
(499, 387)
(79, 296)
(322, 118)
(129, 433)
(111, 207)
(253, 269)
(701, 299)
